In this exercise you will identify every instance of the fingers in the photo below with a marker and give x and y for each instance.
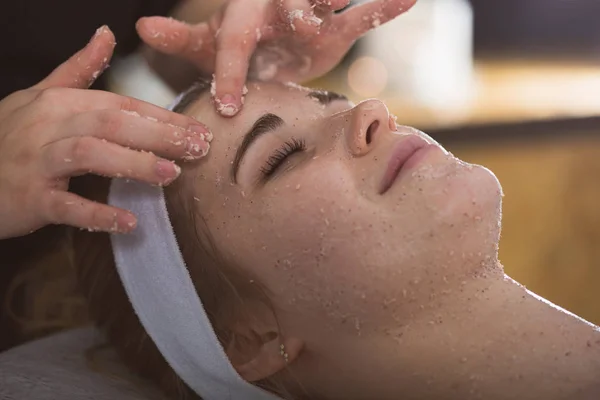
(300, 16)
(82, 69)
(236, 42)
(358, 20)
(69, 209)
(81, 155)
(138, 133)
(194, 43)
(87, 100)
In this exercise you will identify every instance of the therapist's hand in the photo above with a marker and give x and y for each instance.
(285, 40)
(59, 129)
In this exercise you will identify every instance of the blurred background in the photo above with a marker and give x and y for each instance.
(513, 85)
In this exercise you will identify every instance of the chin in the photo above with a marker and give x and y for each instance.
(482, 199)
(468, 204)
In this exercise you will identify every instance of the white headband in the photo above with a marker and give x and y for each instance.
(163, 296)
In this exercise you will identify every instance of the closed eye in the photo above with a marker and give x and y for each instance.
(276, 159)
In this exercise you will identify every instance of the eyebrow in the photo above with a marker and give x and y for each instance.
(325, 97)
(265, 124)
(270, 122)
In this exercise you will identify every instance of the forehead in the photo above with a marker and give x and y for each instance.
(261, 98)
(288, 101)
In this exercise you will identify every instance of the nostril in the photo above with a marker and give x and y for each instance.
(371, 130)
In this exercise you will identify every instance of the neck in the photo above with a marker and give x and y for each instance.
(501, 342)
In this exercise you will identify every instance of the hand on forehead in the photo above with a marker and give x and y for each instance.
(292, 103)
(285, 111)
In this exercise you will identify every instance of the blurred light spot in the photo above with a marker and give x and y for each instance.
(367, 77)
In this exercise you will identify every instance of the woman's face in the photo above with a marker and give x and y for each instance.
(313, 207)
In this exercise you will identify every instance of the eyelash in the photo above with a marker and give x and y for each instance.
(276, 159)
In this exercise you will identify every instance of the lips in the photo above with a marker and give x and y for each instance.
(401, 158)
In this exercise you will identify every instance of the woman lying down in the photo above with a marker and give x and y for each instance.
(320, 251)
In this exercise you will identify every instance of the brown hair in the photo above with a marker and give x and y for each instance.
(226, 292)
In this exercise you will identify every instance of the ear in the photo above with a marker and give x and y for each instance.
(258, 355)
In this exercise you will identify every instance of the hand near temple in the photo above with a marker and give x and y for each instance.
(284, 40)
(58, 129)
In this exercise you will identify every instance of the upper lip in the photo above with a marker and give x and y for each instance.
(401, 152)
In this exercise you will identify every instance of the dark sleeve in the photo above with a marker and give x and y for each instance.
(38, 35)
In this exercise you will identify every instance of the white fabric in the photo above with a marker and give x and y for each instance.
(161, 291)
(58, 367)
(162, 294)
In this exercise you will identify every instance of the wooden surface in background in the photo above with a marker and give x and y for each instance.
(551, 216)
(506, 91)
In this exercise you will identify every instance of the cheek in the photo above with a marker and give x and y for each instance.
(307, 234)
(304, 211)
(324, 249)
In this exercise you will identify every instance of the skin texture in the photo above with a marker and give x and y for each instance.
(57, 130)
(400, 293)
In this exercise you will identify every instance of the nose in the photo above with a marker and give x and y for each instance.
(369, 121)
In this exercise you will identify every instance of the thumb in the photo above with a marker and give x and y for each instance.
(82, 69)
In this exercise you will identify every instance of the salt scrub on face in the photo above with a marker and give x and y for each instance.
(228, 110)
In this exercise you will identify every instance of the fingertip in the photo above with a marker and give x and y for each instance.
(143, 26)
(166, 171)
(123, 222)
(104, 33)
(145, 23)
(126, 222)
(228, 105)
(202, 131)
(140, 24)
(100, 31)
(229, 91)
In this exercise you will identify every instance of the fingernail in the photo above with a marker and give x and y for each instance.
(227, 105)
(126, 222)
(201, 131)
(196, 148)
(167, 170)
